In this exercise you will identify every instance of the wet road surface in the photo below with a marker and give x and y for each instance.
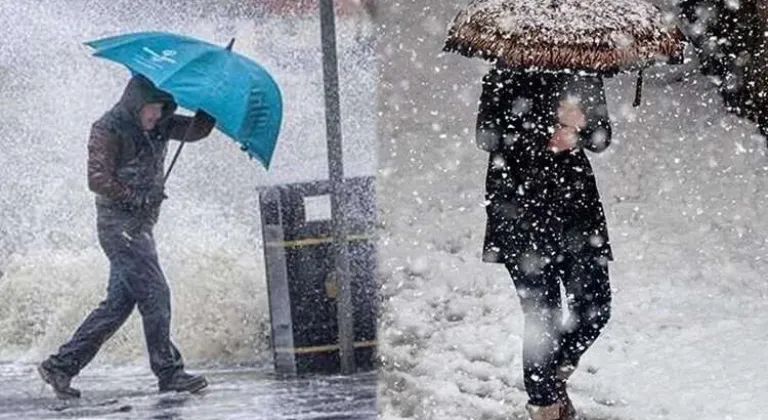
(238, 393)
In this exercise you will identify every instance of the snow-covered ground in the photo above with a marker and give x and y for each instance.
(683, 184)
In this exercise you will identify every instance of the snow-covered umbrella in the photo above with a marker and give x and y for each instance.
(604, 36)
(597, 35)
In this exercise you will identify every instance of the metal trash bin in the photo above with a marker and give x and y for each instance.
(296, 223)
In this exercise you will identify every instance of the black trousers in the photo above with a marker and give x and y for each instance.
(549, 343)
(135, 280)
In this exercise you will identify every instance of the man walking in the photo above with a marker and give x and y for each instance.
(126, 155)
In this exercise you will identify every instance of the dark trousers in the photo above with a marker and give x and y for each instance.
(548, 342)
(135, 279)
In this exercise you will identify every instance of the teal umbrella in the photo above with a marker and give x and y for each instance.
(238, 92)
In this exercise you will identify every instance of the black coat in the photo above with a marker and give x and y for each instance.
(541, 204)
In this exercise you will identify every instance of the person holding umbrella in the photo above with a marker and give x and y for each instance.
(545, 219)
(541, 107)
(126, 151)
(126, 155)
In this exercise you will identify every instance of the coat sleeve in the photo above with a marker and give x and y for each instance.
(200, 127)
(489, 129)
(103, 149)
(590, 93)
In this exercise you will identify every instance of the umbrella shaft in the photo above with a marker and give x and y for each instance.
(173, 162)
(187, 134)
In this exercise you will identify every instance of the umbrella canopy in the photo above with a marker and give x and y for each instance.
(598, 35)
(239, 93)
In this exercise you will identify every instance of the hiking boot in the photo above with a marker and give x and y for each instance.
(59, 380)
(546, 412)
(183, 382)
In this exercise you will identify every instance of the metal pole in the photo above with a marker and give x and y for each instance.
(336, 175)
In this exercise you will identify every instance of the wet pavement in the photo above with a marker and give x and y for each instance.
(131, 393)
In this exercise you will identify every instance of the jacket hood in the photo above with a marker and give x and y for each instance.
(141, 91)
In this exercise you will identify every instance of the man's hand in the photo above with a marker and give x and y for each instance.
(192, 129)
(204, 120)
(155, 196)
(143, 199)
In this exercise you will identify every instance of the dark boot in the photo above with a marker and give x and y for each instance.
(59, 380)
(181, 381)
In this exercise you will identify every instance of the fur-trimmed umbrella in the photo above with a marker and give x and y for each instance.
(605, 36)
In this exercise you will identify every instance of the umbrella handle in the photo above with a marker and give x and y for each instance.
(638, 90)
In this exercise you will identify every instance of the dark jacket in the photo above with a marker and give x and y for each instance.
(123, 159)
(539, 203)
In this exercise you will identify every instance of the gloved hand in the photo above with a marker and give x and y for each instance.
(143, 199)
(205, 118)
